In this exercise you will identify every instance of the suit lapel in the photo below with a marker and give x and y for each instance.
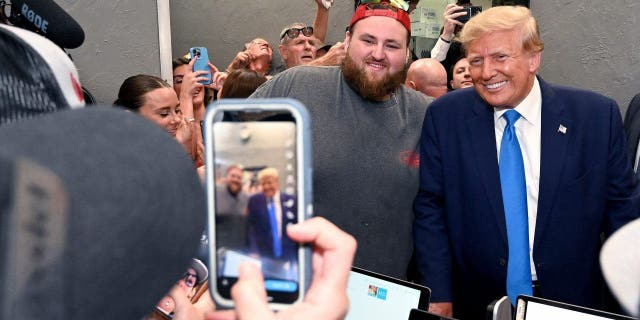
(633, 128)
(481, 133)
(286, 203)
(555, 135)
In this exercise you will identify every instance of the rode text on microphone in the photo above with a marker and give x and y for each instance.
(46, 18)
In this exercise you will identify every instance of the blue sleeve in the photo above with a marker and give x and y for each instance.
(431, 239)
(622, 186)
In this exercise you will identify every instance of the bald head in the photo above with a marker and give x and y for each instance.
(427, 76)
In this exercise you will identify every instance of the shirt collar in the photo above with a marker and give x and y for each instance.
(529, 107)
(276, 197)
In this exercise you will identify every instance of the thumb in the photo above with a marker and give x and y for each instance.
(249, 294)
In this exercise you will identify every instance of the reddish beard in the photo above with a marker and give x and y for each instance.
(371, 89)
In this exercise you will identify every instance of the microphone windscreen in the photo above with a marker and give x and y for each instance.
(49, 19)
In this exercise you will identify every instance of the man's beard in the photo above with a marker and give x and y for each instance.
(371, 89)
(233, 190)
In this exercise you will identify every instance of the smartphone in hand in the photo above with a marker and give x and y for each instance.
(470, 11)
(258, 180)
(202, 62)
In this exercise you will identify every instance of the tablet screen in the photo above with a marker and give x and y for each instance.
(375, 296)
(532, 308)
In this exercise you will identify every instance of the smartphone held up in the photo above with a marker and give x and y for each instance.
(202, 62)
(470, 12)
(258, 181)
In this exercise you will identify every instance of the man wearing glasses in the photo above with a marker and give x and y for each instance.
(366, 127)
(297, 45)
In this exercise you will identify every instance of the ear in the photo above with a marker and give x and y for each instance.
(534, 62)
(284, 53)
(347, 40)
(411, 85)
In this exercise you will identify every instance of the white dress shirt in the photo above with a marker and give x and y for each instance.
(528, 130)
(635, 163)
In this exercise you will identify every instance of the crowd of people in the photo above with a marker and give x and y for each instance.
(465, 172)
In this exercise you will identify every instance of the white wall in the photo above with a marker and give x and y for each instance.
(121, 40)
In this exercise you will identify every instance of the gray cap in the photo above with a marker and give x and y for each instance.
(108, 224)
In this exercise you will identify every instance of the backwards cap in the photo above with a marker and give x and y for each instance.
(38, 76)
(364, 11)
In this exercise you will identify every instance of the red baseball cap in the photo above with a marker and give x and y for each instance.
(364, 11)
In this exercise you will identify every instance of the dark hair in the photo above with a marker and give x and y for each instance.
(209, 94)
(241, 83)
(179, 62)
(133, 89)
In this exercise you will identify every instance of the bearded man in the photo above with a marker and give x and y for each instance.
(365, 132)
(231, 207)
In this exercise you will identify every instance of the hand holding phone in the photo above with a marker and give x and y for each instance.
(267, 141)
(202, 62)
(470, 11)
(327, 299)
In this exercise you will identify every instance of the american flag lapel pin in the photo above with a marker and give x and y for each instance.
(562, 129)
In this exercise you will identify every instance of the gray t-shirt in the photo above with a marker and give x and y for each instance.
(231, 218)
(365, 161)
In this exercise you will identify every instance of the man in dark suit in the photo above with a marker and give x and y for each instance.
(270, 211)
(632, 129)
(518, 178)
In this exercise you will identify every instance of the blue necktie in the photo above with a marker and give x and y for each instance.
(275, 235)
(514, 195)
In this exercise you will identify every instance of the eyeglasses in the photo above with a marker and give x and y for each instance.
(295, 32)
(190, 279)
(399, 4)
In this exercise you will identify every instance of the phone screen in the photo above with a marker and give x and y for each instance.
(256, 163)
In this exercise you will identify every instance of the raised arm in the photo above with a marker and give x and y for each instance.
(440, 49)
(321, 21)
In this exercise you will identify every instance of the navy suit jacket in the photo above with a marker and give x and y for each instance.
(585, 189)
(259, 233)
(632, 127)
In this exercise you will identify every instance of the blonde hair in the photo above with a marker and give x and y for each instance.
(268, 172)
(504, 18)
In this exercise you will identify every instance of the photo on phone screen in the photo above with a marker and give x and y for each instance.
(258, 182)
(202, 62)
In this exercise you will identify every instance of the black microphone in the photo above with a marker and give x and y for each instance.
(48, 19)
